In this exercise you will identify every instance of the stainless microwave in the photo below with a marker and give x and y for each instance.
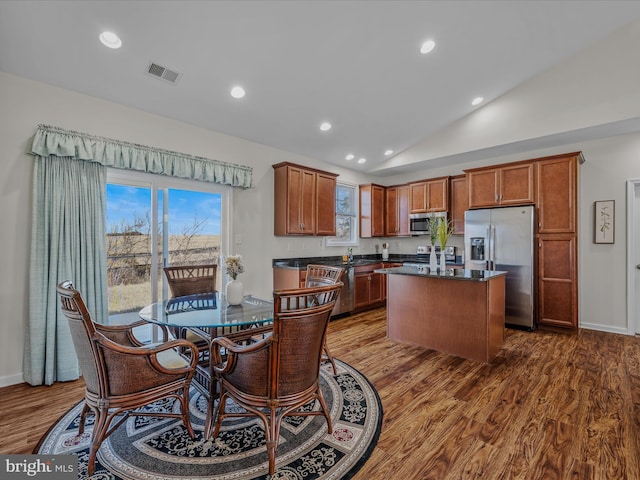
(419, 222)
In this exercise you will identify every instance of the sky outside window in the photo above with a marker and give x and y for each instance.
(124, 203)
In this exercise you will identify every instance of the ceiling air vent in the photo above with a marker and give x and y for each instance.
(163, 73)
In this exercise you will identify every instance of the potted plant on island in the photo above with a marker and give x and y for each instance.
(444, 231)
(234, 291)
(433, 236)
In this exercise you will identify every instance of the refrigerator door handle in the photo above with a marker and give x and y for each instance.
(488, 251)
(492, 248)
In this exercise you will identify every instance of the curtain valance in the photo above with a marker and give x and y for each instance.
(56, 141)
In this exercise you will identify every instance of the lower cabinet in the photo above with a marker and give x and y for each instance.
(384, 277)
(285, 278)
(368, 287)
(557, 281)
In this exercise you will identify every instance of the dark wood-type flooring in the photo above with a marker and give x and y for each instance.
(550, 406)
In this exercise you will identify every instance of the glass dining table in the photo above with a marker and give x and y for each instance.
(203, 317)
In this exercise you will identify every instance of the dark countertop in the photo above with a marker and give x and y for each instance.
(302, 262)
(449, 274)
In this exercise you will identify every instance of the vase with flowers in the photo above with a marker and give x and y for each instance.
(433, 236)
(444, 230)
(234, 291)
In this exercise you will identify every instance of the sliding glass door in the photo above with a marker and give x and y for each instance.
(155, 221)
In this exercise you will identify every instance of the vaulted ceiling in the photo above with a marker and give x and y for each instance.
(355, 64)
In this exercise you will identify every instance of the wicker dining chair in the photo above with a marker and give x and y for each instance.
(122, 374)
(318, 275)
(190, 280)
(273, 376)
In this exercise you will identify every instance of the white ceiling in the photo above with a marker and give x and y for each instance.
(353, 63)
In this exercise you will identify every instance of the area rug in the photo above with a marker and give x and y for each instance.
(149, 448)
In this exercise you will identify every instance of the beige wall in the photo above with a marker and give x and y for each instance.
(24, 104)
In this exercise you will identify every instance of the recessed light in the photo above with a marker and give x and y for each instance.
(110, 39)
(324, 126)
(427, 46)
(237, 92)
(351, 156)
(477, 101)
(362, 160)
(388, 152)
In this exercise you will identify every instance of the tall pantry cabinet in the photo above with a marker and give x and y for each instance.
(557, 239)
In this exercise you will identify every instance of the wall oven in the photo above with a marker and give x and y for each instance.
(419, 222)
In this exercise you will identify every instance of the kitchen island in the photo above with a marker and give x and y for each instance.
(460, 312)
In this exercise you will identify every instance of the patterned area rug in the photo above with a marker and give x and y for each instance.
(160, 449)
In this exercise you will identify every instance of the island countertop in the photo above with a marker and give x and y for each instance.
(449, 274)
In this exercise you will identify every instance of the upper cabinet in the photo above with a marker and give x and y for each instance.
(372, 200)
(459, 203)
(429, 195)
(557, 195)
(304, 201)
(326, 204)
(511, 184)
(397, 210)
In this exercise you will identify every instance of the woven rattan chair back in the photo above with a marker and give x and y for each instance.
(318, 275)
(190, 279)
(274, 376)
(122, 375)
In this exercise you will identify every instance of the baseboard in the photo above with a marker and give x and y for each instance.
(8, 380)
(606, 328)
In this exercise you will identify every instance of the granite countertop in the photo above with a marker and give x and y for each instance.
(449, 274)
(302, 262)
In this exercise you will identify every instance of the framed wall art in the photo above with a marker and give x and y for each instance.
(604, 221)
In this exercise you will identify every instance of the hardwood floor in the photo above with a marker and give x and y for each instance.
(550, 406)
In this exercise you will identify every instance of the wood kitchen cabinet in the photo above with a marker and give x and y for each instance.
(304, 200)
(557, 281)
(326, 204)
(430, 195)
(511, 184)
(285, 278)
(384, 277)
(368, 287)
(397, 211)
(557, 237)
(556, 192)
(459, 203)
(372, 200)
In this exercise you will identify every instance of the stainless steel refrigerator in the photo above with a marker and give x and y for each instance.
(502, 239)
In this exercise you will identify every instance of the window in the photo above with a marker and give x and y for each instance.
(155, 221)
(346, 216)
